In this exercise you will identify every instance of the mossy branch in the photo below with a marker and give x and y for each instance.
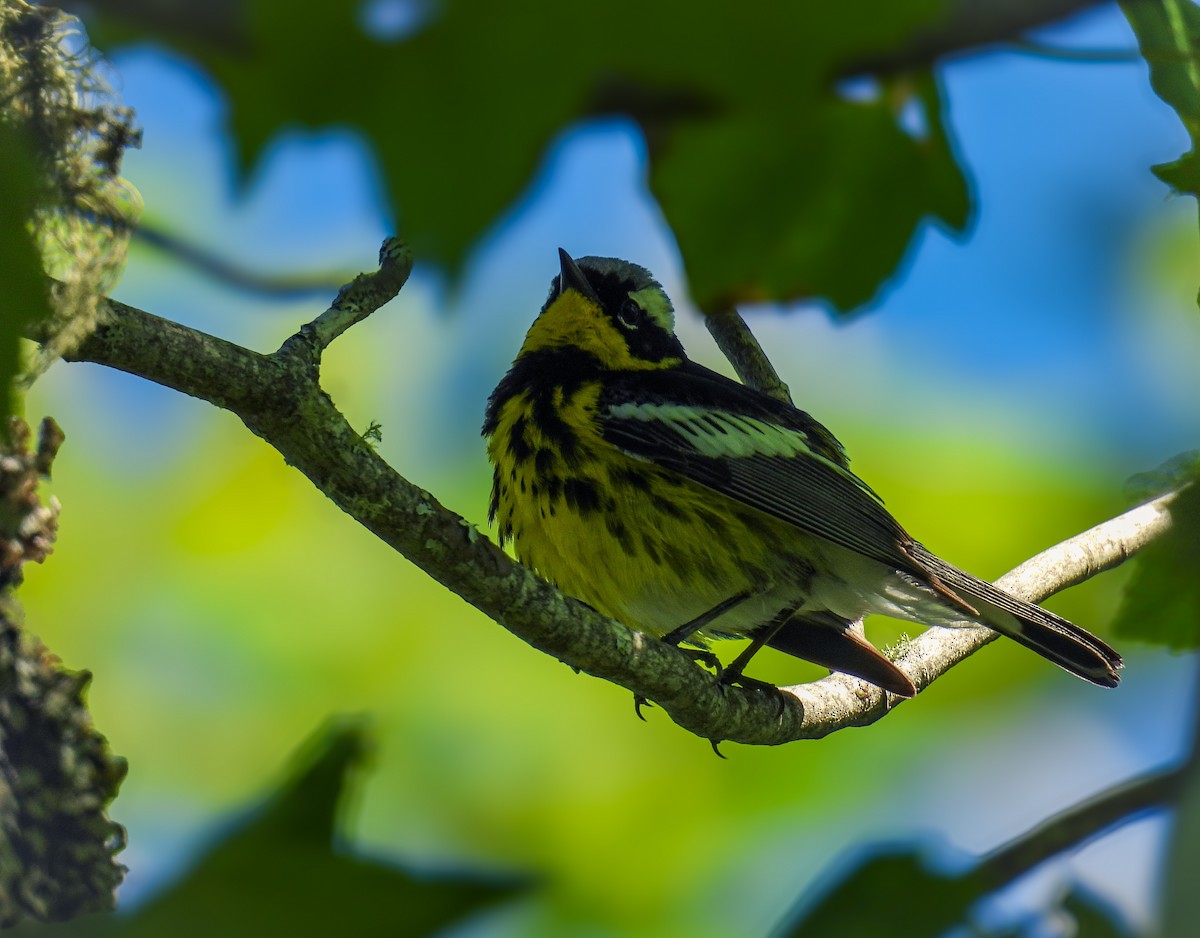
(278, 396)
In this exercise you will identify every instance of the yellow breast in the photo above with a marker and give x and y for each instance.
(638, 543)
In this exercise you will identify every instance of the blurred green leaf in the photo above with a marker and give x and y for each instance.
(895, 894)
(889, 893)
(1168, 33)
(1182, 175)
(1162, 600)
(1181, 899)
(1094, 917)
(1170, 475)
(805, 205)
(776, 185)
(284, 873)
(23, 300)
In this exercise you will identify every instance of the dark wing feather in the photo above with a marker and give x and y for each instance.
(1050, 635)
(691, 420)
(771, 457)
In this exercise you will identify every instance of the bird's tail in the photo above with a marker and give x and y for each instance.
(832, 642)
(1038, 629)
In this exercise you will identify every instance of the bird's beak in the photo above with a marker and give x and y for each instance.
(572, 278)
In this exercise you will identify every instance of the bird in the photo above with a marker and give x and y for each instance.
(691, 507)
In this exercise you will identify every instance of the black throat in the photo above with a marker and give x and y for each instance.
(538, 374)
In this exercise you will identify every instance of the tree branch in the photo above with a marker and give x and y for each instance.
(279, 398)
(968, 27)
(365, 294)
(738, 344)
(1118, 805)
(231, 273)
(838, 700)
(57, 777)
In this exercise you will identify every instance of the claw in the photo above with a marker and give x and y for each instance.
(715, 743)
(638, 702)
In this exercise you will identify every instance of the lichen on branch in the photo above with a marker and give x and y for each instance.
(57, 777)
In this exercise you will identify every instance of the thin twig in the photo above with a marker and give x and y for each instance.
(738, 344)
(1065, 54)
(967, 27)
(363, 295)
(230, 273)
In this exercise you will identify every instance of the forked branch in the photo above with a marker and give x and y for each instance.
(279, 398)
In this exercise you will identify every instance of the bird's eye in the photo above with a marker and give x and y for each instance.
(630, 315)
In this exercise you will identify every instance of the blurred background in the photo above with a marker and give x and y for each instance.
(997, 391)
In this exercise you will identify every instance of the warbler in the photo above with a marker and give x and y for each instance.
(689, 506)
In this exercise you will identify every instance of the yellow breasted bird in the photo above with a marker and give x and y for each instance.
(689, 506)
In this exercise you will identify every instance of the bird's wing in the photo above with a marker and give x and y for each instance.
(754, 449)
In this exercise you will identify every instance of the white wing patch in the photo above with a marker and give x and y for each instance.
(717, 433)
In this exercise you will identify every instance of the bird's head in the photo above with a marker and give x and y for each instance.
(610, 309)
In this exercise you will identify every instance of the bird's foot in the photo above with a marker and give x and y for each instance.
(731, 677)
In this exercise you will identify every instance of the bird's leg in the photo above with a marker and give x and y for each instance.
(686, 631)
(732, 674)
(690, 628)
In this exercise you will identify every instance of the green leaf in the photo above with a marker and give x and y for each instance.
(893, 893)
(23, 300)
(1095, 918)
(776, 186)
(1181, 899)
(1168, 476)
(1182, 175)
(890, 893)
(1162, 600)
(830, 217)
(283, 872)
(1168, 33)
